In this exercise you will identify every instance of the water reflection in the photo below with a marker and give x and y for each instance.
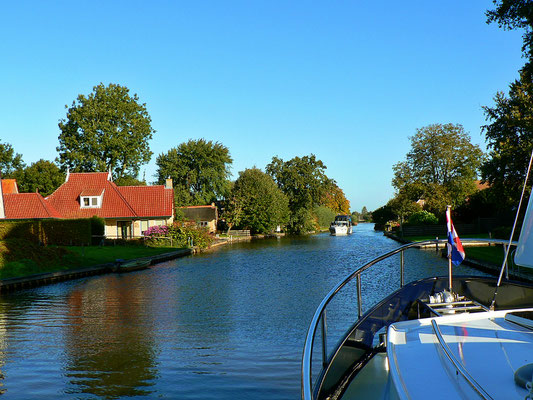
(108, 340)
(226, 325)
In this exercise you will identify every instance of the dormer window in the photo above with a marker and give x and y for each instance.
(91, 199)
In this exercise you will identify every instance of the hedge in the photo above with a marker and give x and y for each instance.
(53, 231)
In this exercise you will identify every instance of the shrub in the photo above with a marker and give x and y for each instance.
(504, 232)
(423, 218)
(187, 236)
(156, 231)
(97, 230)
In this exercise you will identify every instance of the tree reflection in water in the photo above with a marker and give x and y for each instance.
(109, 348)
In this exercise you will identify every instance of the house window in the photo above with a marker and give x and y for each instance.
(144, 226)
(91, 201)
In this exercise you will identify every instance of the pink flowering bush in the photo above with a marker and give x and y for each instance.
(156, 231)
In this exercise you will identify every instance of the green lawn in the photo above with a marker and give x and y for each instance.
(492, 254)
(93, 255)
(20, 258)
(429, 237)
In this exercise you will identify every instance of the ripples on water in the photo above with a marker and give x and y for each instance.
(224, 325)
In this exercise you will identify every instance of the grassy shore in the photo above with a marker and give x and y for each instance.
(20, 258)
(474, 236)
(492, 254)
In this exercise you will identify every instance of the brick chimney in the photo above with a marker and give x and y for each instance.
(168, 183)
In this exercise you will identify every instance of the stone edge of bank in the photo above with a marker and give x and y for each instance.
(46, 278)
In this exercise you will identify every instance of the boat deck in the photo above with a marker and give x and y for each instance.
(486, 347)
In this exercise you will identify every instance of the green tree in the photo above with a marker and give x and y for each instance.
(199, 169)
(516, 14)
(41, 176)
(257, 203)
(10, 162)
(509, 140)
(106, 130)
(365, 215)
(441, 156)
(304, 182)
(382, 216)
(127, 180)
(324, 216)
(423, 218)
(402, 207)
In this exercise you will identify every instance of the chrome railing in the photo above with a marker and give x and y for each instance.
(457, 364)
(320, 316)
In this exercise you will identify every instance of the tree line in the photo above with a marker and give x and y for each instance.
(110, 130)
(443, 165)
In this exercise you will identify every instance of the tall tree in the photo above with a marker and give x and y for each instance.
(108, 129)
(335, 199)
(199, 169)
(10, 162)
(304, 182)
(443, 156)
(509, 139)
(516, 14)
(41, 176)
(257, 203)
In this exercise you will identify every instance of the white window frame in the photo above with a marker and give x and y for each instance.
(144, 225)
(91, 200)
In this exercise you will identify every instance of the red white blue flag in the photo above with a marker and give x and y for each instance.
(455, 248)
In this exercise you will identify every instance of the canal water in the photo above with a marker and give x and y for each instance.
(224, 325)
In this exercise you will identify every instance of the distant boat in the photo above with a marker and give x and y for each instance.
(134, 265)
(341, 226)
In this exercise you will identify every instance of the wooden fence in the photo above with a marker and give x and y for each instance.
(245, 232)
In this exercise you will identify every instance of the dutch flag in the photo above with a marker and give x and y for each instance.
(455, 248)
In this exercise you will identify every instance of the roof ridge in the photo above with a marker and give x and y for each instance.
(44, 204)
(115, 187)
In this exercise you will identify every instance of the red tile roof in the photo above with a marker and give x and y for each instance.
(481, 186)
(28, 206)
(117, 202)
(149, 201)
(92, 192)
(9, 186)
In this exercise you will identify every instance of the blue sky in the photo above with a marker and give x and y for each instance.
(349, 81)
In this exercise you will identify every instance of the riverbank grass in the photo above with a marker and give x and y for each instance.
(492, 254)
(20, 257)
(87, 256)
(489, 254)
(429, 237)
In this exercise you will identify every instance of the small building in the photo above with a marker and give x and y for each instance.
(18, 206)
(202, 216)
(127, 210)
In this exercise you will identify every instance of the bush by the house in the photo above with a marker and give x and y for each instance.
(423, 218)
(182, 236)
(52, 231)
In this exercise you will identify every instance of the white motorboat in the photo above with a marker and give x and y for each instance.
(425, 341)
(341, 226)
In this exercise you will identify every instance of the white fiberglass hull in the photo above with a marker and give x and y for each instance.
(340, 230)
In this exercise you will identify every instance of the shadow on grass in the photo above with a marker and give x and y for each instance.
(20, 257)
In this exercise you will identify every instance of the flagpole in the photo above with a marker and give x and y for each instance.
(449, 261)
